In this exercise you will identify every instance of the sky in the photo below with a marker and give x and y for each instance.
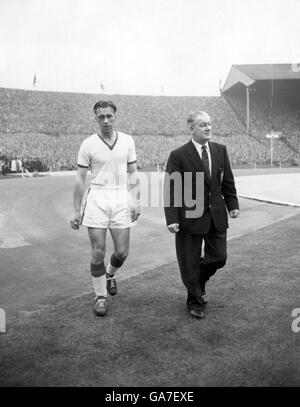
(141, 47)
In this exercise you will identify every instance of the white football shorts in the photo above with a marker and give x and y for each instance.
(107, 208)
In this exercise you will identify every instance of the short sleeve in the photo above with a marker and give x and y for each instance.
(131, 158)
(83, 159)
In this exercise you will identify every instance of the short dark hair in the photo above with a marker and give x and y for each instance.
(105, 103)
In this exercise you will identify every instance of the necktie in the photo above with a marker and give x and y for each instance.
(205, 162)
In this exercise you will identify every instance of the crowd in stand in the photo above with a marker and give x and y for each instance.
(12, 164)
(241, 149)
(71, 113)
(43, 130)
(151, 149)
(39, 152)
(279, 114)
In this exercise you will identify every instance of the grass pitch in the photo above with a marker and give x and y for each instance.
(148, 338)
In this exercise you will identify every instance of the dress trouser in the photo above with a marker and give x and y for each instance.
(196, 269)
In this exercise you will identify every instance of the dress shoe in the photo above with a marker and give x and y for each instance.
(197, 313)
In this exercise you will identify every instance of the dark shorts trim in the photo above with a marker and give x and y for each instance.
(81, 220)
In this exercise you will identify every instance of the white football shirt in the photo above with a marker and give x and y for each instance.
(108, 164)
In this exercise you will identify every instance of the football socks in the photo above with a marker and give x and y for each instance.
(99, 279)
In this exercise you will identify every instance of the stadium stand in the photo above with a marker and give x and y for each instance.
(44, 129)
(274, 97)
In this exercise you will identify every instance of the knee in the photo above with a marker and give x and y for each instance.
(118, 257)
(98, 253)
(121, 253)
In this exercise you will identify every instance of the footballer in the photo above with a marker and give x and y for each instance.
(110, 202)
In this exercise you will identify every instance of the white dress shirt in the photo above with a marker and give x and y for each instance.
(199, 149)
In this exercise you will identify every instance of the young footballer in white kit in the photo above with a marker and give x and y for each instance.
(111, 156)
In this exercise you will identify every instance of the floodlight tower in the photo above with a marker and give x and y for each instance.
(272, 136)
(248, 90)
(248, 111)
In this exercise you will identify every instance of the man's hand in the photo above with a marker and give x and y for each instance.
(77, 196)
(174, 228)
(135, 212)
(75, 222)
(235, 213)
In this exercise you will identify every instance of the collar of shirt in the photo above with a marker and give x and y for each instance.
(199, 149)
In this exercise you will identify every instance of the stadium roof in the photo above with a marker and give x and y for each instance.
(249, 74)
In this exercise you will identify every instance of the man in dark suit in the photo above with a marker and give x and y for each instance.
(200, 155)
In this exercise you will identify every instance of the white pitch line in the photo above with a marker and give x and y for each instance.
(8, 238)
(253, 198)
(13, 243)
(290, 215)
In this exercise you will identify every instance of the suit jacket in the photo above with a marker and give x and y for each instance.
(219, 193)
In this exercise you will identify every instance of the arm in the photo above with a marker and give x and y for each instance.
(171, 212)
(134, 191)
(78, 193)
